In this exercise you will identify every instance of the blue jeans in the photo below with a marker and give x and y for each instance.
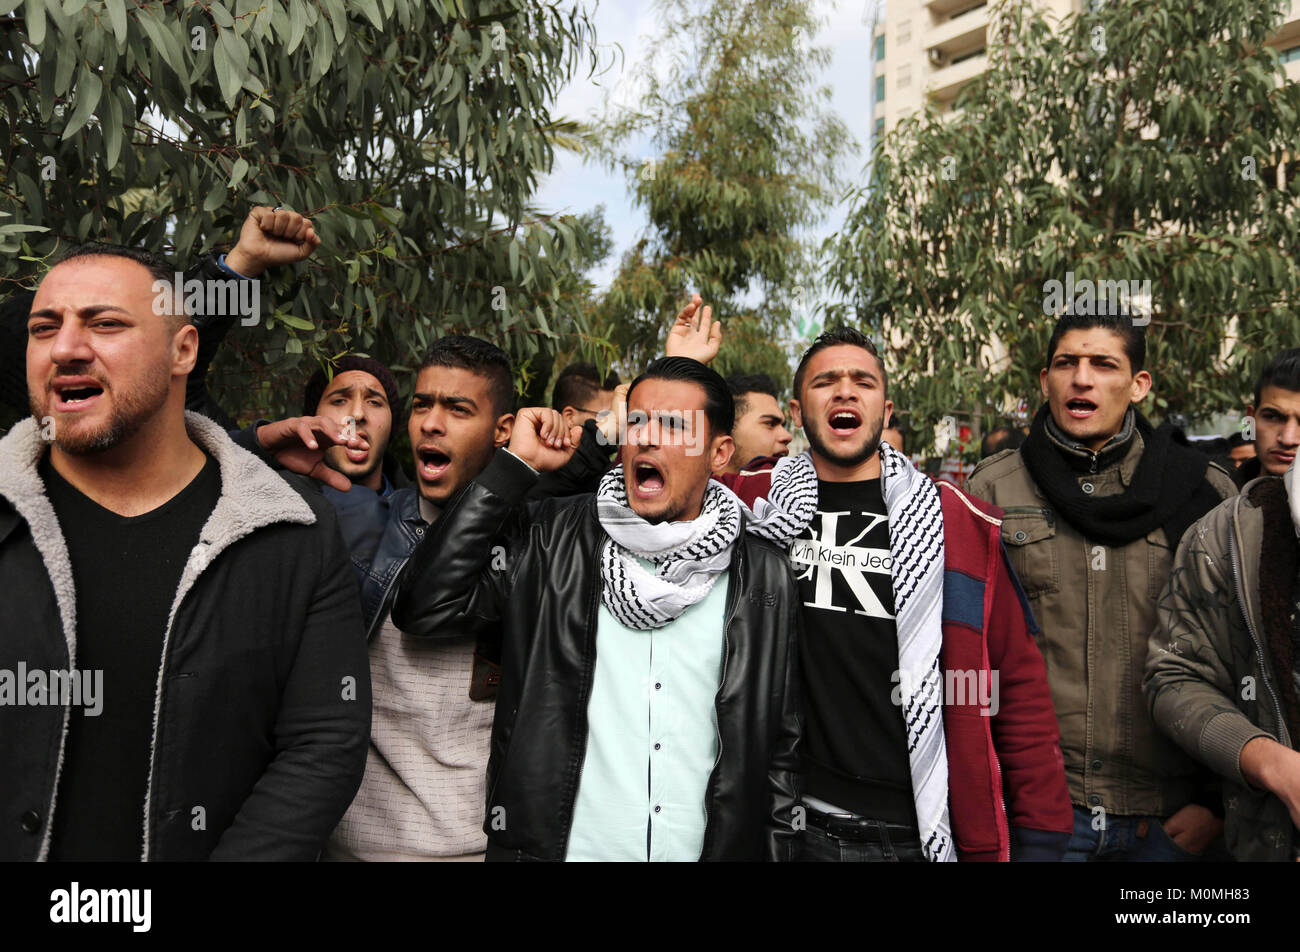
(818, 846)
(1124, 839)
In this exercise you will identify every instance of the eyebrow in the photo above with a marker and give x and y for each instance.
(348, 388)
(90, 310)
(1101, 356)
(451, 399)
(857, 373)
(775, 418)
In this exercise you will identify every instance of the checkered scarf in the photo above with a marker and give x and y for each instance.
(688, 557)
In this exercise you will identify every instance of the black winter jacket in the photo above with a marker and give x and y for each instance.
(262, 712)
(544, 608)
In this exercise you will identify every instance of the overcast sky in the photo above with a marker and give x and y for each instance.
(576, 186)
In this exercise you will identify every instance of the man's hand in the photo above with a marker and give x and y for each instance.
(613, 424)
(541, 440)
(269, 238)
(1193, 828)
(299, 444)
(1270, 766)
(695, 333)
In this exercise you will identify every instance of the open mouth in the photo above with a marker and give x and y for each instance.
(647, 479)
(1079, 408)
(844, 421)
(433, 463)
(71, 396)
(358, 455)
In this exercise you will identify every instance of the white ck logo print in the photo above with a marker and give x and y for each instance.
(823, 556)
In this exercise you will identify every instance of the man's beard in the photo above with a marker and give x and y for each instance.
(869, 449)
(132, 409)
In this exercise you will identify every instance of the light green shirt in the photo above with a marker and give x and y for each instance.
(652, 739)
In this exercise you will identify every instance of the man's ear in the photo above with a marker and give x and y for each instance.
(505, 426)
(569, 413)
(796, 413)
(1141, 386)
(185, 350)
(1042, 382)
(721, 451)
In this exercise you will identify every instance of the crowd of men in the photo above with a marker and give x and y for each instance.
(631, 625)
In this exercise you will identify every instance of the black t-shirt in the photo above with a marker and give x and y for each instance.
(855, 741)
(125, 571)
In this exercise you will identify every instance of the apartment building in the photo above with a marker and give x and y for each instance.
(935, 47)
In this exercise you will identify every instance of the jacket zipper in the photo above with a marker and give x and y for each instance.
(1235, 544)
(736, 582)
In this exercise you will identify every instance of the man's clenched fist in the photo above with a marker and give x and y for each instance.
(541, 439)
(269, 238)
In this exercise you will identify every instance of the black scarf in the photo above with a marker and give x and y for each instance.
(1169, 489)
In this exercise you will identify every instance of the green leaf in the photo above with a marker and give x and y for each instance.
(237, 172)
(338, 20)
(220, 15)
(296, 322)
(216, 196)
(117, 17)
(292, 345)
(371, 10)
(229, 77)
(34, 12)
(89, 89)
(297, 24)
(112, 126)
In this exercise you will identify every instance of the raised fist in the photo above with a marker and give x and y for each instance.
(269, 238)
(541, 439)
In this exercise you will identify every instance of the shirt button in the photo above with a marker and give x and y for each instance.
(1094, 798)
(658, 685)
(657, 746)
(1020, 536)
(1096, 765)
(658, 809)
(31, 821)
(1087, 488)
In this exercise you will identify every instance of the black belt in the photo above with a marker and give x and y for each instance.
(860, 829)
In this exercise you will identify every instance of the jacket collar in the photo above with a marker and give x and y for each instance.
(252, 496)
(1123, 449)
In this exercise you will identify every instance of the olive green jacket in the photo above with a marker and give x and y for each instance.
(1096, 607)
(1211, 683)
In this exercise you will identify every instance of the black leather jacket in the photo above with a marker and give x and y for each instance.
(543, 605)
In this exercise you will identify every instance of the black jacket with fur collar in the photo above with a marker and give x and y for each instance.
(262, 711)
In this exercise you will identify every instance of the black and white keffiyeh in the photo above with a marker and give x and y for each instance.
(916, 544)
(688, 557)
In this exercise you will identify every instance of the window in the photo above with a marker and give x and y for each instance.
(880, 89)
(880, 126)
(965, 56)
(880, 47)
(904, 32)
(904, 76)
(1291, 55)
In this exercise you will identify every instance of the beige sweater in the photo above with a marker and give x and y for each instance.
(425, 789)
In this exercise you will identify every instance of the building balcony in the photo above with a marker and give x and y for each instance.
(947, 81)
